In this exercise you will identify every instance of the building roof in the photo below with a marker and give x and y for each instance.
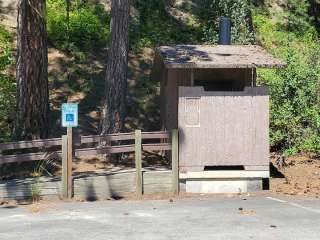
(217, 56)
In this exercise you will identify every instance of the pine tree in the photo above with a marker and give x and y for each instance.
(116, 75)
(32, 117)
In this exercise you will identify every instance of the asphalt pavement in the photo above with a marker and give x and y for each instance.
(238, 218)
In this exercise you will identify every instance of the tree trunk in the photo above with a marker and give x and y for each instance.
(114, 110)
(32, 119)
(315, 12)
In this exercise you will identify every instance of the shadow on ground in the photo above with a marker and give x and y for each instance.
(274, 172)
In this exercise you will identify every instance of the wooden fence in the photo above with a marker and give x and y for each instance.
(67, 148)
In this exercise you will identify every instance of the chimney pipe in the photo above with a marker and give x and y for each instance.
(225, 31)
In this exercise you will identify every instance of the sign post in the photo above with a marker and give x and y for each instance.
(69, 117)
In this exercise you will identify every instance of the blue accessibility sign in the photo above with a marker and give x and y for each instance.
(69, 115)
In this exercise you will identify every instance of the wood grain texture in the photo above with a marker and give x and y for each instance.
(157, 183)
(69, 161)
(156, 147)
(64, 167)
(104, 185)
(169, 91)
(187, 146)
(80, 151)
(31, 144)
(27, 157)
(175, 161)
(138, 162)
(104, 150)
(91, 186)
(218, 56)
(156, 135)
(233, 129)
(107, 137)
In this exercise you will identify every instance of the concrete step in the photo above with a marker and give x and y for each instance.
(224, 181)
(238, 174)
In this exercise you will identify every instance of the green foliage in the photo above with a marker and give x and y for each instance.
(88, 25)
(5, 48)
(154, 26)
(295, 91)
(298, 15)
(7, 84)
(237, 10)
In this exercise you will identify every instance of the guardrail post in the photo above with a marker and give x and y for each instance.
(138, 161)
(175, 160)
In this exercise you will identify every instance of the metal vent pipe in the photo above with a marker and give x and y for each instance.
(225, 31)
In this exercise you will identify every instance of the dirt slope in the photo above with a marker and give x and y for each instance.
(296, 175)
(8, 13)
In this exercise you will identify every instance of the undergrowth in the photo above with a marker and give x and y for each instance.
(7, 85)
(295, 91)
(86, 29)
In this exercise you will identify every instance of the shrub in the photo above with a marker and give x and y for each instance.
(88, 25)
(7, 85)
(295, 91)
(238, 11)
(154, 26)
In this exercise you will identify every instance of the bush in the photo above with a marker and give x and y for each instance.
(7, 85)
(154, 26)
(238, 11)
(88, 25)
(295, 91)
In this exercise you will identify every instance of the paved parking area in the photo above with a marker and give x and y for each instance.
(210, 218)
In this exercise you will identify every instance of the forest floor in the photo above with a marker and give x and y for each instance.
(8, 13)
(298, 176)
(83, 82)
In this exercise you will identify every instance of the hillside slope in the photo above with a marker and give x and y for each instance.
(8, 13)
(287, 32)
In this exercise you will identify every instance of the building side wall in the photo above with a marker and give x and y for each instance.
(169, 94)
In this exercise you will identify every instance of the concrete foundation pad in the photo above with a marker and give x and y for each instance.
(223, 186)
(241, 174)
(224, 181)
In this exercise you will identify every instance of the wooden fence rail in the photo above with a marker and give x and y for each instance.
(26, 151)
(31, 144)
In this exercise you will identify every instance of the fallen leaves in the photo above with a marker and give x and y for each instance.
(246, 211)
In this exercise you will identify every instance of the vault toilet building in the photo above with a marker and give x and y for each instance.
(210, 94)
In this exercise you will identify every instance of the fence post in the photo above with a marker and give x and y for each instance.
(69, 165)
(67, 154)
(64, 166)
(138, 161)
(175, 160)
